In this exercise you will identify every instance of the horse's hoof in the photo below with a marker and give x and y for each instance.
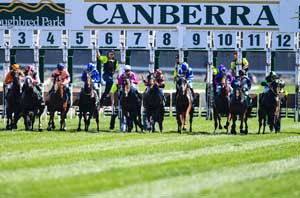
(40, 130)
(184, 129)
(86, 130)
(79, 129)
(49, 129)
(7, 127)
(220, 127)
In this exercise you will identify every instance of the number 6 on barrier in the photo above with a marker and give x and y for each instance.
(109, 38)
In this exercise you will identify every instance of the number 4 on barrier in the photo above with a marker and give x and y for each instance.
(50, 39)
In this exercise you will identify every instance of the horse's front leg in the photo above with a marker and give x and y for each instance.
(233, 131)
(85, 120)
(51, 121)
(242, 124)
(89, 120)
(79, 120)
(63, 121)
(97, 119)
(40, 127)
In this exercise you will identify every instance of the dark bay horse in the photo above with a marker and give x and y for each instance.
(238, 108)
(269, 108)
(184, 104)
(32, 105)
(131, 105)
(57, 101)
(154, 106)
(13, 102)
(88, 104)
(221, 103)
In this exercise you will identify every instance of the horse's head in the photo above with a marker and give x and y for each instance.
(88, 83)
(224, 86)
(275, 87)
(58, 85)
(15, 77)
(151, 80)
(182, 85)
(28, 83)
(126, 83)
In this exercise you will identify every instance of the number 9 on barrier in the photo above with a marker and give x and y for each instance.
(50, 39)
(167, 39)
(109, 38)
(21, 38)
(195, 40)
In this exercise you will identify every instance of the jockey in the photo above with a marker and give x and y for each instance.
(110, 66)
(129, 74)
(30, 71)
(159, 81)
(245, 64)
(186, 72)
(132, 77)
(268, 81)
(244, 83)
(8, 78)
(63, 75)
(92, 70)
(176, 67)
(221, 72)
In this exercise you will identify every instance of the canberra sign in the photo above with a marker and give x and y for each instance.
(252, 15)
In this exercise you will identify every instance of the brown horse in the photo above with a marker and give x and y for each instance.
(269, 108)
(221, 103)
(57, 101)
(87, 104)
(238, 107)
(32, 105)
(13, 99)
(184, 105)
(131, 105)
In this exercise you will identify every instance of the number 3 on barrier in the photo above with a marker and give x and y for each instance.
(22, 38)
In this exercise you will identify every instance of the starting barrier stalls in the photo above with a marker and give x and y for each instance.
(179, 39)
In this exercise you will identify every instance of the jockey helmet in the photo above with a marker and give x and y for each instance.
(90, 67)
(272, 73)
(222, 68)
(242, 72)
(15, 67)
(111, 51)
(127, 68)
(158, 72)
(29, 68)
(60, 66)
(184, 66)
(281, 83)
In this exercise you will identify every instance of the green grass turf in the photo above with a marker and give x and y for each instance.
(116, 164)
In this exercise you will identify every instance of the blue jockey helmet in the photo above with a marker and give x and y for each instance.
(184, 66)
(60, 66)
(222, 68)
(91, 67)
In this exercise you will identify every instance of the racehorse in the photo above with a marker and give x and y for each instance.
(57, 101)
(13, 102)
(131, 105)
(238, 107)
(154, 106)
(31, 105)
(221, 103)
(184, 104)
(269, 107)
(88, 104)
